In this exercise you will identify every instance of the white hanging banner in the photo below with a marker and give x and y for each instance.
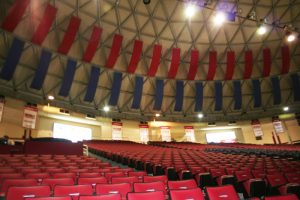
(278, 126)
(165, 133)
(30, 117)
(117, 130)
(257, 128)
(1, 109)
(189, 133)
(144, 133)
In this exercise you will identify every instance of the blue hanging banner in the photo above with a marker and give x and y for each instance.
(68, 78)
(256, 93)
(218, 95)
(276, 90)
(237, 95)
(179, 95)
(198, 97)
(296, 86)
(92, 84)
(115, 89)
(159, 94)
(137, 94)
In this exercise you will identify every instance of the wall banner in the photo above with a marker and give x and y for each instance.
(278, 126)
(30, 117)
(257, 128)
(116, 130)
(1, 109)
(189, 133)
(144, 133)
(165, 133)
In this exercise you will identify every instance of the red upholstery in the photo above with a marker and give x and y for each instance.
(149, 187)
(182, 185)
(157, 195)
(117, 188)
(19, 193)
(101, 197)
(92, 181)
(49, 198)
(162, 178)
(222, 193)
(73, 190)
(17, 182)
(194, 194)
(276, 180)
(129, 179)
(52, 182)
(283, 197)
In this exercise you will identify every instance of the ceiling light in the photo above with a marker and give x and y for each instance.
(106, 108)
(146, 2)
(286, 108)
(50, 97)
(190, 10)
(261, 30)
(291, 38)
(157, 115)
(219, 18)
(200, 115)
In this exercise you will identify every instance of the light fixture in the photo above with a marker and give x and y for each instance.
(106, 108)
(190, 10)
(200, 115)
(261, 30)
(146, 2)
(286, 108)
(291, 37)
(157, 115)
(50, 97)
(219, 18)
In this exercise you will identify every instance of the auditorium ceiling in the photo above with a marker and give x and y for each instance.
(142, 59)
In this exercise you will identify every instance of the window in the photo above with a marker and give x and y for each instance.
(73, 133)
(221, 137)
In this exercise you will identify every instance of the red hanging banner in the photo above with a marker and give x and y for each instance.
(193, 65)
(135, 57)
(115, 51)
(248, 64)
(212, 65)
(70, 35)
(285, 54)
(267, 62)
(174, 63)
(230, 65)
(156, 56)
(93, 44)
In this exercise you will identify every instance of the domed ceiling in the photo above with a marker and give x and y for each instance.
(141, 59)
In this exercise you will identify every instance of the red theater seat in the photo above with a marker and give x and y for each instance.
(92, 181)
(117, 188)
(157, 195)
(182, 185)
(49, 198)
(283, 197)
(162, 178)
(19, 193)
(149, 187)
(226, 192)
(73, 190)
(189, 194)
(17, 182)
(52, 182)
(255, 187)
(129, 179)
(101, 197)
(89, 174)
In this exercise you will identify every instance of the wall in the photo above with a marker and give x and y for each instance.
(101, 128)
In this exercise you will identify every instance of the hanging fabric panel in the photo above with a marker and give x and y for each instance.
(256, 93)
(93, 44)
(230, 65)
(218, 95)
(179, 95)
(12, 59)
(296, 86)
(41, 71)
(248, 64)
(174, 63)
(193, 65)
(135, 57)
(115, 51)
(137, 94)
(115, 89)
(159, 94)
(70, 35)
(212, 65)
(267, 62)
(285, 54)
(68, 78)
(237, 95)
(276, 90)
(198, 97)
(156, 56)
(15, 15)
(44, 26)
(92, 84)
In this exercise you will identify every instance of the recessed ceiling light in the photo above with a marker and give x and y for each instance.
(200, 115)
(106, 108)
(190, 10)
(291, 38)
(219, 18)
(157, 115)
(50, 97)
(286, 108)
(261, 30)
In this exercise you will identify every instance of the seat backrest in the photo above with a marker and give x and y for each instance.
(157, 195)
(243, 175)
(182, 185)
(283, 197)
(192, 194)
(225, 192)
(10, 176)
(64, 175)
(17, 182)
(149, 187)
(162, 178)
(113, 174)
(50, 198)
(129, 179)
(38, 176)
(276, 180)
(92, 180)
(89, 174)
(102, 197)
(52, 182)
(19, 193)
(73, 190)
(117, 188)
